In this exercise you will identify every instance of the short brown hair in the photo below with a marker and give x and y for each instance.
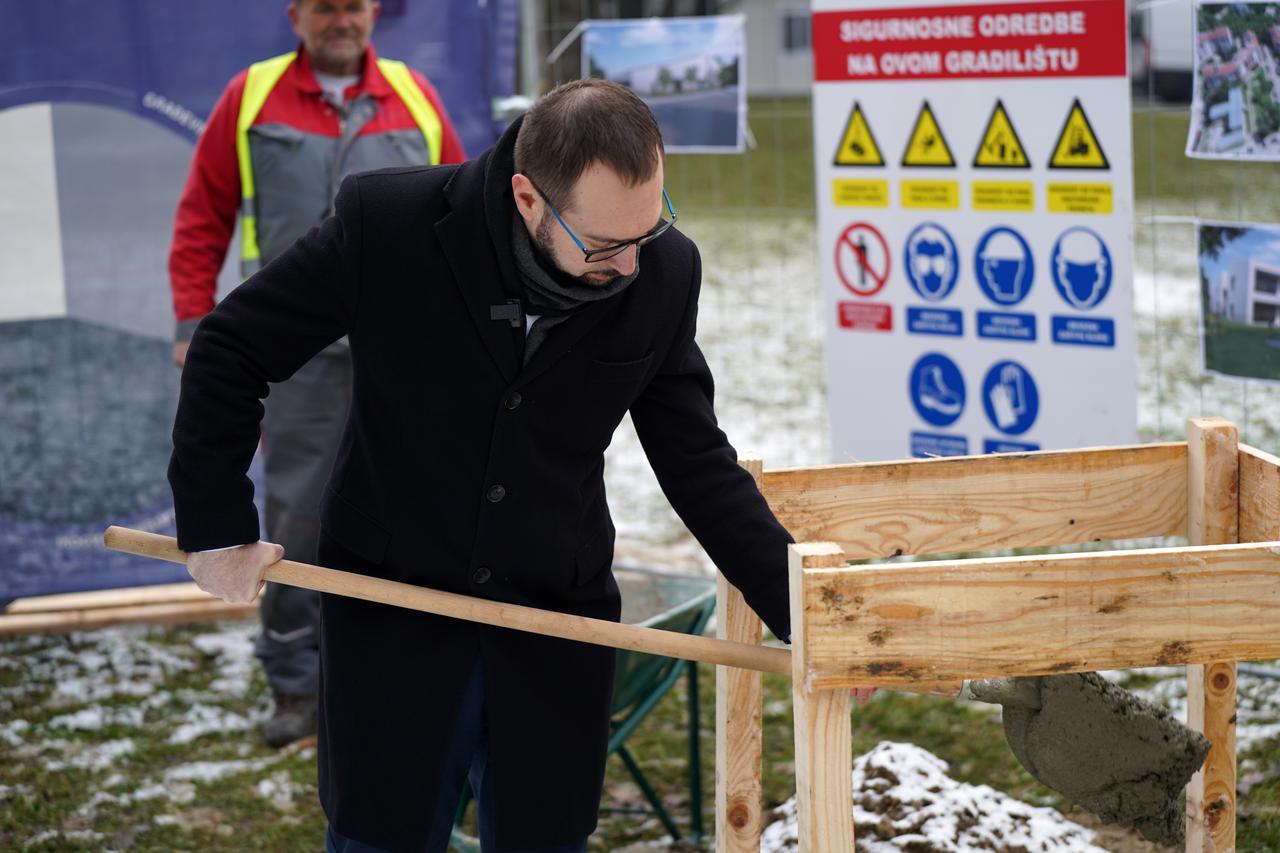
(582, 122)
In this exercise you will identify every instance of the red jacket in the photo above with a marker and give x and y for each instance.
(210, 200)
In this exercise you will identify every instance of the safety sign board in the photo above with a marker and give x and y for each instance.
(858, 145)
(975, 204)
(1000, 147)
(1078, 146)
(926, 146)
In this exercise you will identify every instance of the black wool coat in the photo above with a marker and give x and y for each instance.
(463, 471)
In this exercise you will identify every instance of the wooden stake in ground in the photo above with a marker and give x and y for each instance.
(1212, 519)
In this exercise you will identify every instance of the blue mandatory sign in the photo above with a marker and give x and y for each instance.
(937, 389)
(1010, 398)
(1003, 266)
(931, 261)
(1081, 268)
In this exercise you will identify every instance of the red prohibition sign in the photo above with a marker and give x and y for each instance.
(862, 280)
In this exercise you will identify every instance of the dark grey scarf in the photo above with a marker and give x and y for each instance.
(550, 296)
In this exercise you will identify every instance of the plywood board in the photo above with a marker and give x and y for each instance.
(938, 506)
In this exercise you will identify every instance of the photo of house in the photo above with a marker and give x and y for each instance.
(688, 70)
(1240, 296)
(1234, 109)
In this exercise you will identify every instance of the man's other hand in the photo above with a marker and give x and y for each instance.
(234, 574)
(180, 353)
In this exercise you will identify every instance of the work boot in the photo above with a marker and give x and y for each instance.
(293, 719)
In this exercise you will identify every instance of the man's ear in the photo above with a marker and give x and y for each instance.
(528, 199)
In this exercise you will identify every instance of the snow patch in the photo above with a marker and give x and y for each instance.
(904, 800)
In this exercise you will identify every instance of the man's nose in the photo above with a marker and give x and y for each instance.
(624, 263)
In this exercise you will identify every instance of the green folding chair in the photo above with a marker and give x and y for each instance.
(685, 604)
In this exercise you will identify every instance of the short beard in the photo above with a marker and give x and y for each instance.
(543, 242)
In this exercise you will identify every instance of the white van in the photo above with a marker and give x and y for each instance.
(1161, 47)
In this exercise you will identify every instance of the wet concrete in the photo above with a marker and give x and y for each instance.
(1101, 746)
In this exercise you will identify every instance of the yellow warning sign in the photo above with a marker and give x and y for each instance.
(857, 145)
(1013, 196)
(1077, 146)
(850, 193)
(931, 195)
(926, 145)
(1000, 147)
(1080, 198)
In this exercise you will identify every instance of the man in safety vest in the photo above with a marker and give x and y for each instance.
(281, 138)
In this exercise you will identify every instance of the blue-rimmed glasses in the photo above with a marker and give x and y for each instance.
(592, 256)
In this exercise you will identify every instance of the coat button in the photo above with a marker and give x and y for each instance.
(496, 493)
(514, 401)
(482, 575)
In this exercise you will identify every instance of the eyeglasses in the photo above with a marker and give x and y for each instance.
(592, 256)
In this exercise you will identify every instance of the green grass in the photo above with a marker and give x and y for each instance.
(1241, 349)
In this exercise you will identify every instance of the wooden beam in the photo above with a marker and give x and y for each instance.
(1259, 495)
(1213, 489)
(739, 726)
(61, 622)
(823, 730)
(169, 593)
(938, 506)
(899, 623)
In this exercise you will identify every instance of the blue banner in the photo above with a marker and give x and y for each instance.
(99, 106)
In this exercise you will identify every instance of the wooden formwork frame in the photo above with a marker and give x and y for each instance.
(1207, 605)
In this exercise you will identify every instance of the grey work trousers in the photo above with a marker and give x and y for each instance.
(304, 419)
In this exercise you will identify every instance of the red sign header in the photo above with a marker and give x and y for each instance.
(1060, 38)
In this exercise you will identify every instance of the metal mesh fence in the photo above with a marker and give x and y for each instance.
(753, 217)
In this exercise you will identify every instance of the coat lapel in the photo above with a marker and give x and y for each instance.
(475, 267)
(564, 336)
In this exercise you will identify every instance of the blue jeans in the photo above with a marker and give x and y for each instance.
(467, 760)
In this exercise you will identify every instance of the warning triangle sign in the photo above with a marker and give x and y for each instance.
(858, 146)
(1000, 147)
(927, 146)
(1077, 146)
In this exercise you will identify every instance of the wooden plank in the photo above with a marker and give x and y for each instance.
(1213, 480)
(902, 622)
(1259, 506)
(85, 620)
(739, 724)
(823, 730)
(938, 506)
(169, 593)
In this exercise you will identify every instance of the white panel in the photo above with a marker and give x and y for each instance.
(31, 275)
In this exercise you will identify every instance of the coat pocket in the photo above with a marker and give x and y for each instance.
(352, 528)
(618, 371)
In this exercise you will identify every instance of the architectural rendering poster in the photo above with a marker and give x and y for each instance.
(1235, 109)
(690, 71)
(1240, 299)
(975, 225)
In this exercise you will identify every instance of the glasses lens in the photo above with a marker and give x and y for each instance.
(606, 253)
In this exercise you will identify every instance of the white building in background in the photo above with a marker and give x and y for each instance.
(1249, 292)
(779, 46)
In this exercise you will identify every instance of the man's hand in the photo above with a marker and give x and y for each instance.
(862, 694)
(234, 575)
(180, 353)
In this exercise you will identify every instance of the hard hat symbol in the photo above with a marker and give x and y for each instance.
(930, 261)
(1003, 266)
(1081, 268)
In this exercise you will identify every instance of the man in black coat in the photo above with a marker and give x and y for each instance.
(503, 317)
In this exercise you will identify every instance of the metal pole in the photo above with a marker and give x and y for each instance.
(531, 16)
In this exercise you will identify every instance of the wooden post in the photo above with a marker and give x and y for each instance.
(1212, 519)
(739, 727)
(823, 730)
